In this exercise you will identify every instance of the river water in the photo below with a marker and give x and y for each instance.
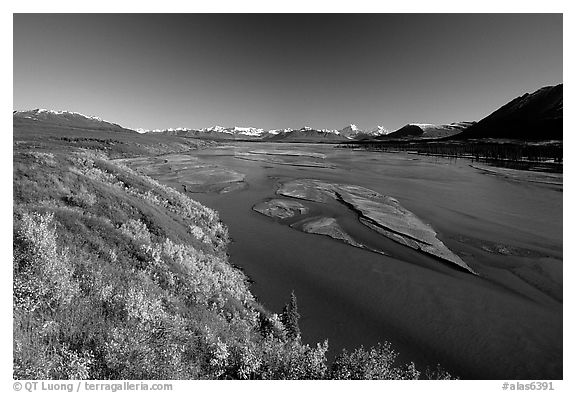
(504, 323)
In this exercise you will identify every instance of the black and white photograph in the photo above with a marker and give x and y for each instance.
(286, 196)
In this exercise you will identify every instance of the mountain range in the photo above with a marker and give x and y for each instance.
(303, 134)
(533, 116)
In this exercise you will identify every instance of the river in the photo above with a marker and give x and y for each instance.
(504, 323)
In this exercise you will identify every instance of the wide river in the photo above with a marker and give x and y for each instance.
(504, 323)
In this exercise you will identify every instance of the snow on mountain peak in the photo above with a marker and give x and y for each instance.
(248, 131)
(280, 131)
(349, 131)
(378, 130)
(328, 131)
(33, 114)
(213, 129)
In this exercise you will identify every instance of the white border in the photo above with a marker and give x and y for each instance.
(357, 6)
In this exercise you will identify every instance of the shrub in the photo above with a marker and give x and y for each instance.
(42, 271)
(376, 363)
(136, 230)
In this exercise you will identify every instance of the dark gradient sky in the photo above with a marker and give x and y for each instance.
(290, 70)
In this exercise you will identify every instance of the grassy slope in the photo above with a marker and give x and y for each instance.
(119, 277)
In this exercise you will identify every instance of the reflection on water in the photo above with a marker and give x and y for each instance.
(506, 323)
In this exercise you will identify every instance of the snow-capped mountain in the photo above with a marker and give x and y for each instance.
(66, 119)
(304, 134)
(350, 131)
(214, 132)
(214, 129)
(250, 133)
(329, 131)
(323, 130)
(353, 132)
(46, 114)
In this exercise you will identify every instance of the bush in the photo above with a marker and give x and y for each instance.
(376, 363)
(42, 271)
(136, 230)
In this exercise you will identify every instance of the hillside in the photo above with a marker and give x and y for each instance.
(533, 116)
(65, 120)
(110, 142)
(117, 276)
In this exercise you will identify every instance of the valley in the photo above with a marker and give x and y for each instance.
(357, 283)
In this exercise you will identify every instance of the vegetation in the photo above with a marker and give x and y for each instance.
(117, 276)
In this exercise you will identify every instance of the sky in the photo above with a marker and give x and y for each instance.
(282, 70)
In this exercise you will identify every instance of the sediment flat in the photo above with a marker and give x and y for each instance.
(327, 226)
(380, 213)
(191, 173)
(280, 208)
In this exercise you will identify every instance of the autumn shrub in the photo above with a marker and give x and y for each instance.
(42, 270)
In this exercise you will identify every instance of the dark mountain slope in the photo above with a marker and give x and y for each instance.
(409, 130)
(533, 116)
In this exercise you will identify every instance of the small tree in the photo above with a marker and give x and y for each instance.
(290, 319)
